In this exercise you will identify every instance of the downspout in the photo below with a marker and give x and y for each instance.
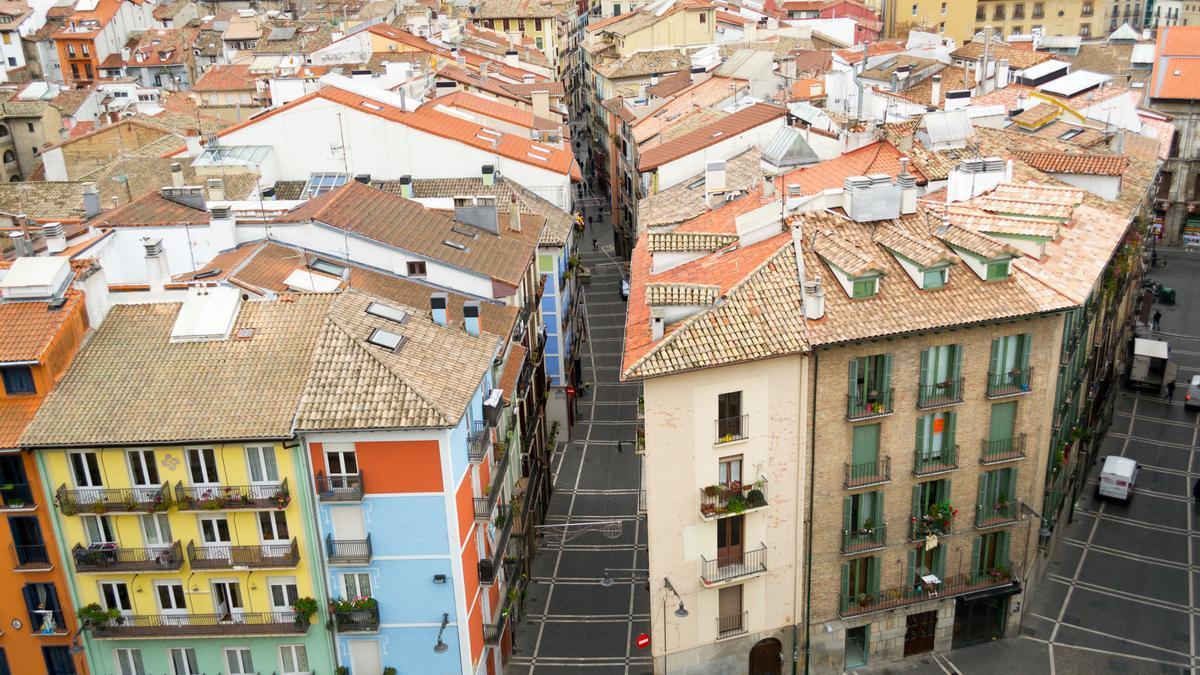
(306, 471)
(858, 82)
(808, 520)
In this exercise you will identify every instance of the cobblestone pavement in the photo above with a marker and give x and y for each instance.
(572, 622)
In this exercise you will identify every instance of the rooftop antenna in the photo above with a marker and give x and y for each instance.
(346, 170)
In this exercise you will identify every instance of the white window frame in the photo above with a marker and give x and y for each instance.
(292, 651)
(216, 530)
(170, 611)
(212, 474)
(155, 535)
(143, 480)
(129, 661)
(245, 661)
(223, 588)
(256, 462)
(115, 584)
(96, 481)
(101, 525)
(290, 592)
(352, 584)
(272, 520)
(184, 653)
(341, 450)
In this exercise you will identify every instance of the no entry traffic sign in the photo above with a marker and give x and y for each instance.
(643, 641)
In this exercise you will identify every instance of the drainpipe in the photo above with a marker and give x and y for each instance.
(307, 480)
(808, 521)
(858, 82)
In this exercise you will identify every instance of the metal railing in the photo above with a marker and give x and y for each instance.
(484, 505)
(501, 544)
(946, 392)
(720, 501)
(995, 515)
(734, 624)
(924, 525)
(150, 559)
(1014, 382)
(492, 632)
(726, 567)
(28, 557)
(103, 500)
(225, 557)
(479, 440)
(926, 463)
(873, 404)
(868, 473)
(959, 584)
(16, 496)
(1006, 450)
(218, 497)
(864, 539)
(189, 625)
(730, 429)
(340, 487)
(357, 620)
(348, 550)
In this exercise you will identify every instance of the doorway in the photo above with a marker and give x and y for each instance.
(920, 633)
(227, 599)
(766, 657)
(729, 541)
(977, 621)
(27, 542)
(365, 657)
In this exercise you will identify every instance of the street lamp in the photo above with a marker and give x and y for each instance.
(680, 611)
(441, 647)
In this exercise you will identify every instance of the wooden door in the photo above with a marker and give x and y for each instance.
(766, 658)
(921, 633)
(729, 541)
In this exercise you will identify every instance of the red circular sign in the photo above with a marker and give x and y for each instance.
(643, 641)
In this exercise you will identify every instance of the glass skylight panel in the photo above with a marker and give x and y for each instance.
(328, 267)
(385, 339)
(387, 312)
(320, 183)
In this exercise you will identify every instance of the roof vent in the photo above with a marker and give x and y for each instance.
(154, 247)
(36, 279)
(207, 314)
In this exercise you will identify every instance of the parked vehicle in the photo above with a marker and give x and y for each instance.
(1191, 400)
(1117, 478)
(1151, 365)
(624, 289)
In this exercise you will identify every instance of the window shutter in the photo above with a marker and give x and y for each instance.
(916, 502)
(911, 577)
(994, 367)
(956, 369)
(847, 513)
(852, 390)
(926, 363)
(845, 585)
(873, 571)
(983, 488)
(944, 490)
(877, 508)
(1002, 550)
(885, 382)
(922, 449)
(975, 557)
(31, 603)
(948, 435)
(1023, 356)
(939, 563)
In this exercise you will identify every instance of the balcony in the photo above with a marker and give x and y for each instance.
(874, 404)
(961, 584)
(727, 568)
(1007, 450)
(30, 557)
(232, 557)
(494, 632)
(339, 488)
(925, 525)
(864, 539)
(499, 546)
(930, 463)
(16, 497)
(219, 497)
(350, 620)
(997, 515)
(722, 501)
(1013, 383)
(937, 395)
(113, 559)
(348, 551)
(867, 474)
(479, 441)
(201, 625)
(734, 624)
(104, 500)
(730, 429)
(485, 505)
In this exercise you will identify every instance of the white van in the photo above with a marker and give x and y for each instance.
(1117, 478)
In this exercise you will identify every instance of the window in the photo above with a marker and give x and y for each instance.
(870, 387)
(115, 595)
(1016, 30)
(341, 462)
(293, 659)
(283, 593)
(537, 25)
(507, 26)
(1086, 9)
(85, 468)
(981, 12)
(357, 585)
(129, 662)
(932, 279)
(12, 61)
(18, 380)
(914, 10)
(1001, 431)
(997, 270)
(998, 12)
(860, 581)
(320, 183)
(935, 441)
(730, 420)
(1019, 11)
(617, 9)
(98, 529)
(170, 596)
(997, 496)
(214, 531)
(1009, 363)
(521, 25)
(202, 466)
(1039, 10)
(989, 555)
(416, 268)
(857, 646)
(45, 614)
(538, 42)
(156, 529)
(922, 562)
(729, 611)
(942, 27)
(227, 598)
(86, 50)
(74, 72)
(864, 451)
(183, 661)
(261, 460)
(273, 527)
(729, 470)
(862, 521)
(925, 497)
(864, 288)
(71, 51)
(943, 9)
(703, 17)
(237, 660)
(143, 470)
(87, 68)
(1085, 30)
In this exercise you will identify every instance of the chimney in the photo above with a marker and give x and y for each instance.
(935, 98)
(768, 187)
(364, 178)
(194, 148)
(658, 322)
(216, 189)
(56, 240)
(1002, 73)
(91, 201)
(541, 104)
(471, 317)
(814, 300)
(489, 174)
(459, 59)
(514, 215)
(477, 212)
(483, 70)
(177, 173)
(222, 228)
(511, 58)
(437, 308)
(908, 188)
(406, 187)
(20, 244)
(973, 177)
(157, 271)
(714, 177)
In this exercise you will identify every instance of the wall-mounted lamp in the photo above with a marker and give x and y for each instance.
(680, 611)
(441, 647)
(439, 578)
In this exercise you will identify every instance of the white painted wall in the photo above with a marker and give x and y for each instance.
(56, 165)
(1105, 187)
(680, 170)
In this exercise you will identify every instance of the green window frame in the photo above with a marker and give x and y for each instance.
(998, 487)
(1003, 423)
(997, 270)
(545, 263)
(931, 445)
(941, 363)
(864, 288)
(865, 444)
(862, 511)
(990, 552)
(870, 373)
(860, 577)
(922, 562)
(932, 279)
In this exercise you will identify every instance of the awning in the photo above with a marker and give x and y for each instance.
(993, 592)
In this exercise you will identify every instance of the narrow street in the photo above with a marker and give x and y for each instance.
(573, 622)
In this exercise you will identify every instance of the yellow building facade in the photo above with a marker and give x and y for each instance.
(961, 19)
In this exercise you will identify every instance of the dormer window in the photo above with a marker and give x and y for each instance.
(998, 270)
(865, 288)
(932, 279)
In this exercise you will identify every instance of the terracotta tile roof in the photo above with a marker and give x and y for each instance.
(662, 242)
(218, 77)
(666, 60)
(1018, 59)
(1009, 96)
(15, 414)
(981, 245)
(1062, 162)
(501, 9)
(250, 388)
(526, 90)
(917, 249)
(427, 382)
(878, 157)
(844, 254)
(483, 106)
(43, 200)
(699, 96)
(1038, 115)
(671, 84)
(147, 172)
(158, 47)
(680, 203)
(26, 328)
(1176, 78)
(170, 10)
(153, 210)
(681, 294)
(512, 370)
(737, 123)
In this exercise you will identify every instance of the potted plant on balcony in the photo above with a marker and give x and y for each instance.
(281, 499)
(15, 503)
(389, 671)
(130, 501)
(304, 608)
(66, 505)
(94, 615)
(708, 510)
(1001, 501)
(756, 497)
(868, 527)
(943, 385)
(736, 504)
(341, 670)
(157, 504)
(99, 508)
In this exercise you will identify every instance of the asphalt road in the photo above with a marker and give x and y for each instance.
(572, 622)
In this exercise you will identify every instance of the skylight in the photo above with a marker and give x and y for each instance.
(387, 312)
(320, 183)
(386, 339)
(540, 158)
(327, 267)
(464, 231)
(454, 245)
(1068, 135)
(371, 106)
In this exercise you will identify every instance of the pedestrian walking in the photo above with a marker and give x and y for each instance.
(1196, 496)
(620, 446)
(1153, 258)
(1154, 323)
(1170, 391)
(594, 246)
